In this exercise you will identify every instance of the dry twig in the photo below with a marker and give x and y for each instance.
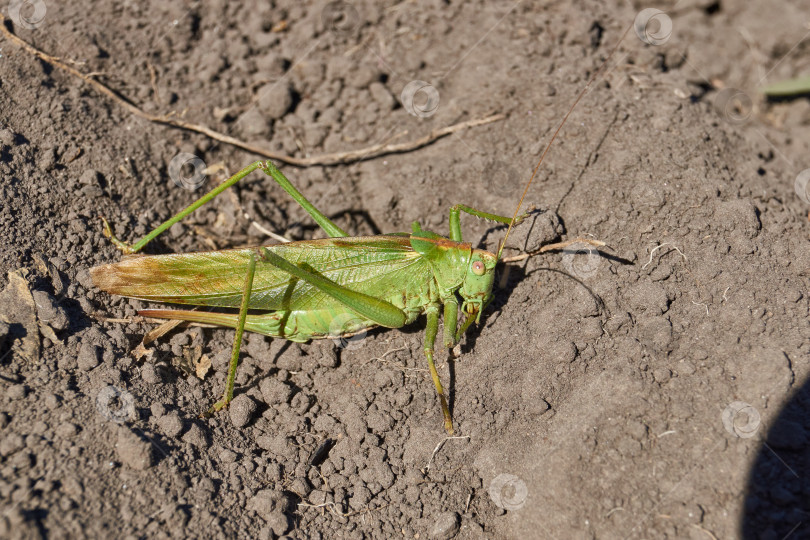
(336, 158)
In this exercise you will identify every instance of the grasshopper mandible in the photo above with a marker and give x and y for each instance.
(301, 287)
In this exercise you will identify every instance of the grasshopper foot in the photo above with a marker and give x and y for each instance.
(448, 420)
(216, 407)
(123, 246)
(448, 425)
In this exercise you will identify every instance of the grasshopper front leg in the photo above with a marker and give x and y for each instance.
(431, 331)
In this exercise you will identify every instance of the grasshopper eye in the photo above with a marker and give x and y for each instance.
(478, 268)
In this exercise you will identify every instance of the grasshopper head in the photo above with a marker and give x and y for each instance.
(477, 287)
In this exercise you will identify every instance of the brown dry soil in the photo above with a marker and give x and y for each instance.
(655, 390)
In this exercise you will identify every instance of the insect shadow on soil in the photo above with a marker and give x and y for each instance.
(776, 503)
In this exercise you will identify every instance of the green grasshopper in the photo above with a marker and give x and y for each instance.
(302, 287)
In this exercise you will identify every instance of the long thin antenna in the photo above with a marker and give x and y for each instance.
(556, 132)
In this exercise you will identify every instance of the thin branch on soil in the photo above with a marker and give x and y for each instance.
(439, 447)
(389, 351)
(399, 365)
(336, 158)
(613, 510)
(707, 531)
(552, 247)
(332, 507)
(702, 304)
(656, 248)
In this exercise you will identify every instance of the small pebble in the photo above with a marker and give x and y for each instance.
(157, 409)
(177, 230)
(662, 375)
(446, 526)
(227, 456)
(241, 410)
(49, 312)
(16, 391)
(150, 374)
(11, 443)
(328, 357)
(92, 191)
(51, 401)
(170, 424)
(301, 487)
(88, 356)
(275, 99)
(133, 451)
(38, 427)
(7, 137)
(363, 76)
(66, 430)
(195, 436)
(253, 123)
(90, 177)
(274, 391)
(270, 506)
(47, 159)
(271, 65)
(382, 96)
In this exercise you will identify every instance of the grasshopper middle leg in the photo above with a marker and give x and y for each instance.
(237, 340)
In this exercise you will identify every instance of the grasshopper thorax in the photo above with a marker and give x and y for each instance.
(476, 291)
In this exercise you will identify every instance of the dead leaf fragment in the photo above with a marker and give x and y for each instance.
(47, 268)
(160, 331)
(140, 352)
(203, 366)
(18, 310)
(48, 332)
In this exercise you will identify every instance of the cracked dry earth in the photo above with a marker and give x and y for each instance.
(655, 389)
